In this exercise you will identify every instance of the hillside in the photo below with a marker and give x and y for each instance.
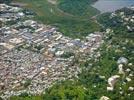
(71, 24)
(50, 50)
(81, 8)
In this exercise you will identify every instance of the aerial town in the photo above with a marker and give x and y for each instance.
(34, 56)
(41, 61)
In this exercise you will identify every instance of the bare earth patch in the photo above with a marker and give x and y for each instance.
(53, 1)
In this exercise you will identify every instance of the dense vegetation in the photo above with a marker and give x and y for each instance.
(66, 91)
(78, 7)
(68, 24)
(117, 24)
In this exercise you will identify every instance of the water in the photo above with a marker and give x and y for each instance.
(112, 5)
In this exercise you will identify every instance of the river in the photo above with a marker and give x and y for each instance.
(112, 5)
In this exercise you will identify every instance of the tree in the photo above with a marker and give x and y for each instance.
(1, 98)
(65, 91)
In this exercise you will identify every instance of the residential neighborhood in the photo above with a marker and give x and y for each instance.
(34, 56)
(66, 50)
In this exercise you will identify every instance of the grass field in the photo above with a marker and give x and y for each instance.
(69, 24)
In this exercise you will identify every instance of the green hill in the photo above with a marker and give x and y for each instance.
(71, 24)
(81, 8)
